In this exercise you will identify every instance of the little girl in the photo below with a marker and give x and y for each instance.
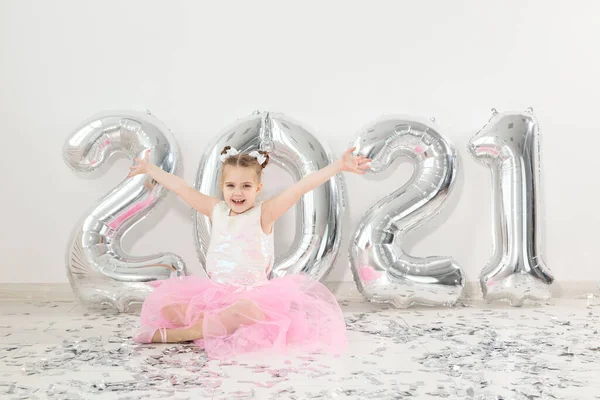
(238, 309)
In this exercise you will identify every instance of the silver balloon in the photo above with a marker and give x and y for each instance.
(98, 269)
(382, 271)
(508, 144)
(318, 214)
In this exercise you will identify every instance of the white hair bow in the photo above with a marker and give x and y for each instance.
(259, 157)
(230, 152)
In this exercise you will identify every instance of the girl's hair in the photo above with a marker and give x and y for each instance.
(246, 161)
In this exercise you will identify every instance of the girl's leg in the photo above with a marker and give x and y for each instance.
(244, 312)
(178, 335)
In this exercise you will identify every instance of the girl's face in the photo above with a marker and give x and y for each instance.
(240, 188)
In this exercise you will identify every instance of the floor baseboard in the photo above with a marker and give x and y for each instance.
(343, 290)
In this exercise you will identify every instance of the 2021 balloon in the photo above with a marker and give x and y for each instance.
(319, 212)
(382, 271)
(98, 269)
(509, 145)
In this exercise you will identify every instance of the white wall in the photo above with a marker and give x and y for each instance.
(335, 66)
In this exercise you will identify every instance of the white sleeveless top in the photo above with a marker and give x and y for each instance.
(239, 253)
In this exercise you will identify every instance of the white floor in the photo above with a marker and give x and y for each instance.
(58, 350)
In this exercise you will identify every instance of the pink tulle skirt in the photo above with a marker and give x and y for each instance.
(292, 312)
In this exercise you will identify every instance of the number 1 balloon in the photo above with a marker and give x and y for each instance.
(382, 271)
(516, 271)
(99, 271)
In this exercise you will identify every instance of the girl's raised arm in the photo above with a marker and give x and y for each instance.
(199, 201)
(275, 207)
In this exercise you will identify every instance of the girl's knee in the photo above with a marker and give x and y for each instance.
(249, 310)
(174, 313)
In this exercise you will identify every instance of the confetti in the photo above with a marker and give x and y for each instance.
(462, 352)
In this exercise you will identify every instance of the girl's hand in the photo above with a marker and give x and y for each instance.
(352, 163)
(142, 165)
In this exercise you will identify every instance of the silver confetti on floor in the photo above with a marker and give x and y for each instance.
(59, 350)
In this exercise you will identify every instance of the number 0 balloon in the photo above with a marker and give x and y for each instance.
(508, 144)
(319, 212)
(99, 271)
(382, 271)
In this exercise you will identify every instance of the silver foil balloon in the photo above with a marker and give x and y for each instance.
(516, 271)
(99, 271)
(382, 271)
(319, 213)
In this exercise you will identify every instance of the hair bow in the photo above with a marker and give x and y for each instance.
(259, 157)
(230, 152)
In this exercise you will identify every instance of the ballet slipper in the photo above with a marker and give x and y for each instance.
(146, 333)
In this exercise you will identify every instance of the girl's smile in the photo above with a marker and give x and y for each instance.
(240, 188)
